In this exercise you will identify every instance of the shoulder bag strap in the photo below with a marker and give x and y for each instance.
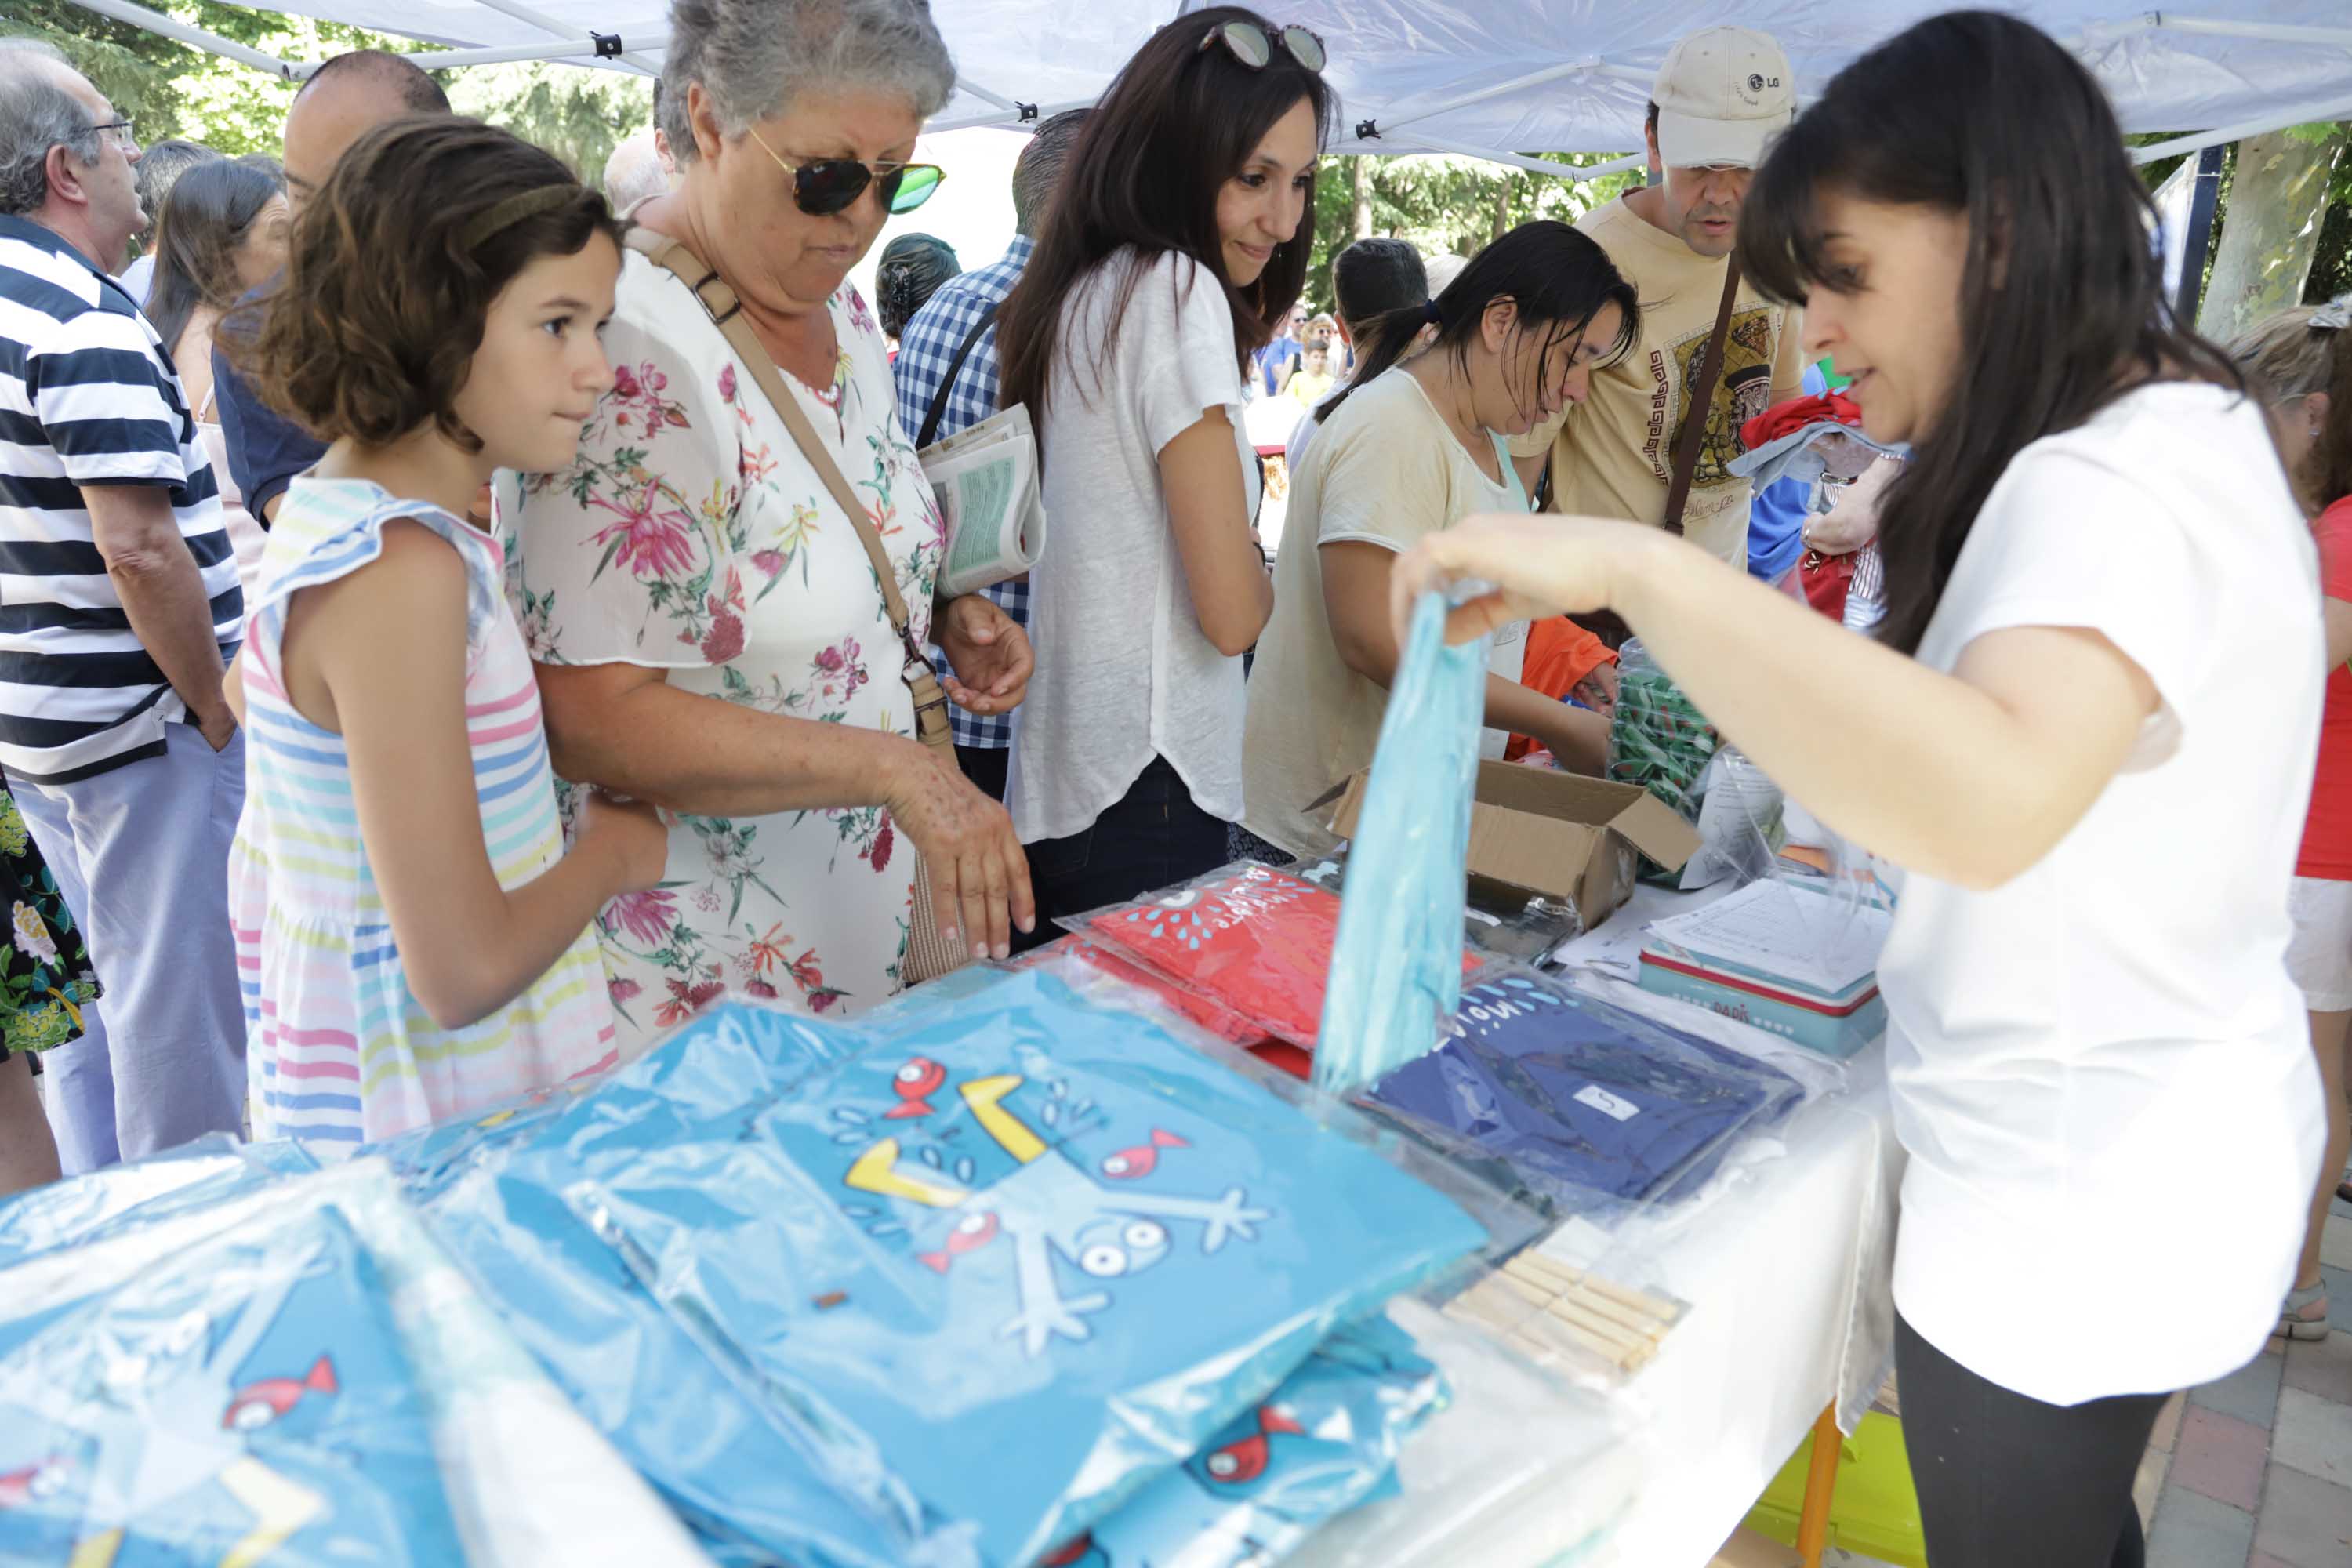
(955, 368)
(1702, 404)
(726, 313)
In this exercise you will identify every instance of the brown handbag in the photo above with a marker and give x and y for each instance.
(929, 954)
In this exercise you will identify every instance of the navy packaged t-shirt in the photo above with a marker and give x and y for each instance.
(1581, 1098)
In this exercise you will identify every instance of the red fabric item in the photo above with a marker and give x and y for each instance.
(1826, 580)
(1257, 940)
(2328, 831)
(1206, 1011)
(1560, 654)
(1282, 1054)
(1788, 418)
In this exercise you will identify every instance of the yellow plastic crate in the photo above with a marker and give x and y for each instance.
(1874, 1511)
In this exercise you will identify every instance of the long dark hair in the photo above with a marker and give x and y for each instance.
(2061, 303)
(1558, 278)
(1175, 125)
(207, 216)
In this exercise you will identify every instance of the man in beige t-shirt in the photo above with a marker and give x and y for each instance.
(1720, 98)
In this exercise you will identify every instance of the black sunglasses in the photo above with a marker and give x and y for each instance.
(1248, 43)
(823, 186)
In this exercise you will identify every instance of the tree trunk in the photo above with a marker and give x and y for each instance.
(1359, 185)
(2277, 198)
(1503, 208)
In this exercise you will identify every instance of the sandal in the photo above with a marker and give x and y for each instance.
(2305, 1314)
(2344, 1191)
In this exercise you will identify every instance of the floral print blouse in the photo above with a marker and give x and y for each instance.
(692, 537)
(42, 960)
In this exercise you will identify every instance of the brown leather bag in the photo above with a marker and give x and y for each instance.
(929, 954)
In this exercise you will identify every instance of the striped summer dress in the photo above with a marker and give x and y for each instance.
(339, 1051)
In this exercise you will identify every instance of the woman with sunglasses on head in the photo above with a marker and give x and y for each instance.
(711, 634)
(1177, 242)
(2085, 731)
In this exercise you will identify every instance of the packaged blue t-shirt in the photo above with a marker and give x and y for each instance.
(80, 1208)
(1581, 1099)
(249, 1404)
(1325, 1441)
(1025, 1215)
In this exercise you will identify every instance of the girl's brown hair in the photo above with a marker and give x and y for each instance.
(393, 268)
(205, 218)
(2292, 356)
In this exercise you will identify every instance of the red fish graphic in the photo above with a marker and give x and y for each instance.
(1144, 1159)
(256, 1405)
(920, 1077)
(971, 1233)
(34, 1483)
(1240, 1463)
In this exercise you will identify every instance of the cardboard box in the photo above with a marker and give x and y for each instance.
(1558, 834)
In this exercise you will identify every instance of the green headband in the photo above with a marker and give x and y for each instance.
(513, 210)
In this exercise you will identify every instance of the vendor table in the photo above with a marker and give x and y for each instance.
(1787, 1270)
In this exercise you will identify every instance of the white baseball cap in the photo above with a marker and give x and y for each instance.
(1722, 95)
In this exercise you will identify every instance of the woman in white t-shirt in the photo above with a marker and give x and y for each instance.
(1175, 245)
(1414, 445)
(2085, 736)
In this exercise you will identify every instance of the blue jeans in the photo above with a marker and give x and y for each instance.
(142, 856)
(1151, 837)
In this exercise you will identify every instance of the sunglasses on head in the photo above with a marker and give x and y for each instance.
(1250, 44)
(823, 187)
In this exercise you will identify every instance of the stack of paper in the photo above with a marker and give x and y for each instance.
(1785, 933)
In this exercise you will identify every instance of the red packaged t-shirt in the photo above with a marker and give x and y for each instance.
(2328, 831)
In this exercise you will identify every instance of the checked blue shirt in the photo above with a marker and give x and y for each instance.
(925, 350)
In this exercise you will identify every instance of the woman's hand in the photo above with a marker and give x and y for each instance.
(630, 833)
(1598, 690)
(1536, 566)
(980, 874)
(988, 652)
(1853, 522)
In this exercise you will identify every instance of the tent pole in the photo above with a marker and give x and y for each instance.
(563, 50)
(547, 24)
(1012, 119)
(2266, 32)
(2198, 243)
(2273, 120)
(1512, 159)
(180, 31)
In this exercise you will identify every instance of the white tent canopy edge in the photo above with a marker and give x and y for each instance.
(1471, 77)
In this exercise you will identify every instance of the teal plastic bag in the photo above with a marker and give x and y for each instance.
(1396, 970)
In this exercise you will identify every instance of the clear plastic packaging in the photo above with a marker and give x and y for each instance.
(1659, 740)
(1499, 921)
(1256, 939)
(1077, 962)
(198, 1172)
(1396, 970)
(1023, 1214)
(1322, 1443)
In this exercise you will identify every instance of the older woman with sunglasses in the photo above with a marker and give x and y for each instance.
(711, 632)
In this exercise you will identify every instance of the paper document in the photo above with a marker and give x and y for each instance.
(1780, 929)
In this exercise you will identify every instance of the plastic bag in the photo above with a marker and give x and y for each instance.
(253, 1390)
(1256, 939)
(1077, 961)
(1593, 1109)
(198, 1172)
(1325, 1441)
(1500, 921)
(1024, 1215)
(1661, 741)
(1395, 976)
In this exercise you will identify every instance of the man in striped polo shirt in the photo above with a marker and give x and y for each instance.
(119, 612)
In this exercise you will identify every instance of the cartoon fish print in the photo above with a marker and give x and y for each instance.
(1244, 1460)
(920, 1077)
(1127, 1164)
(971, 1233)
(256, 1405)
(1118, 1245)
(1082, 1553)
(35, 1483)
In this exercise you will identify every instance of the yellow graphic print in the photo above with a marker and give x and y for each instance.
(1742, 391)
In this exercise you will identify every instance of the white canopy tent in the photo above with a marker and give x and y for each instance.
(1486, 78)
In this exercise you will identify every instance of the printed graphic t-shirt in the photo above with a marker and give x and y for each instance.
(1614, 457)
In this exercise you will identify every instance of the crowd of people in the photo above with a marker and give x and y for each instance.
(457, 623)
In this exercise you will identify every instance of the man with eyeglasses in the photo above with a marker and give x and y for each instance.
(343, 101)
(118, 612)
(1720, 98)
(1279, 361)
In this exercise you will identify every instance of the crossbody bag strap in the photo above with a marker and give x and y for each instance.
(955, 368)
(726, 312)
(1702, 404)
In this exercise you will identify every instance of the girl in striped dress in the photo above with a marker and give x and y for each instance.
(415, 940)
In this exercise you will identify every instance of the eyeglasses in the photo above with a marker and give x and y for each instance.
(823, 186)
(119, 132)
(1248, 43)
